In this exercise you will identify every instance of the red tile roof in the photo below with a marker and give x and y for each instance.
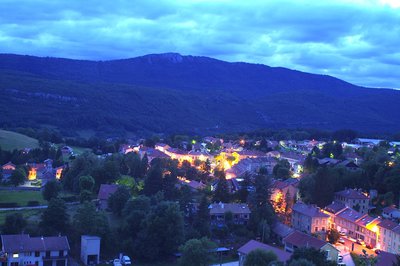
(300, 239)
(253, 245)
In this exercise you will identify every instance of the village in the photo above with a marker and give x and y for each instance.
(317, 192)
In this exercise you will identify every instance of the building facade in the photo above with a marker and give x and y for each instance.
(23, 250)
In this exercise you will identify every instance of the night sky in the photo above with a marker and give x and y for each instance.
(358, 41)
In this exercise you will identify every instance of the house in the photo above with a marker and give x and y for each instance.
(389, 236)
(332, 210)
(240, 212)
(152, 154)
(40, 251)
(280, 231)
(391, 212)
(90, 250)
(287, 188)
(192, 184)
(244, 154)
(161, 147)
(67, 150)
(368, 142)
(105, 192)
(346, 221)
(300, 240)
(7, 170)
(309, 218)
(244, 250)
(349, 165)
(354, 198)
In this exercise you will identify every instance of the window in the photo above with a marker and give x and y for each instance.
(316, 228)
(47, 253)
(37, 253)
(61, 253)
(15, 255)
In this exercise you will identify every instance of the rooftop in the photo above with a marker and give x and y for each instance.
(308, 210)
(252, 245)
(335, 207)
(22, 243)
(300, 239)
(106, 191)
(352, 194)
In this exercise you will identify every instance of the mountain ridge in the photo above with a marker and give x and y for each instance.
(174, 93)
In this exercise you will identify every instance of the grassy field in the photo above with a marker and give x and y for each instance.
(11, 140)
(22, 197)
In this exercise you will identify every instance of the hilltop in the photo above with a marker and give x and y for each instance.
(174, 93)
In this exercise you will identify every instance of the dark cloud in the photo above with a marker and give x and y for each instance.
(354, 40)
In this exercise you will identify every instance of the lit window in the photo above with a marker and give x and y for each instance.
(15, 255)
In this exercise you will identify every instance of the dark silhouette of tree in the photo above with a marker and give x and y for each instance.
(51, 190)
(117, 200)
(154, 180)
(259, 257)
(55, 218)
(14, 224)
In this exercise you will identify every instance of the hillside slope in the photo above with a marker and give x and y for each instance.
(174, 93)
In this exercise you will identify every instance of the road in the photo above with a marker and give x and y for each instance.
(347, 246)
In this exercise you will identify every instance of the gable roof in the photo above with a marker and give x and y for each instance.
(9, 164)
(281, 229)
(253, 245)
(350, 215)
(23, 242)
(351, 194)
(308, 210)
(388, 224)
(106, 191)
(335, 207)
(300, 239)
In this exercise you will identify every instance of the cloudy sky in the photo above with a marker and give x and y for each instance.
(358, 41)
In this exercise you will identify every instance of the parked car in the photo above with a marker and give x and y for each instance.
(126, 260)
(360, 242)
(342, 233)
(369, 246)
(117, 262)
(340, 258)
(341, 240)
(377, 251)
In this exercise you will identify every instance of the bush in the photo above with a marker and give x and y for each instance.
(8, 205)
(32, 203)
(71, 198)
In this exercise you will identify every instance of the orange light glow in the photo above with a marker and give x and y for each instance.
(32, 174)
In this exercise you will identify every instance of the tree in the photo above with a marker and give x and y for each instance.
(85, 195)
(333, 236)
(154, 180)
(55, 217)
(259, 257)
(117, 200)
(202, 219)
(301, 262)
(144, 164)
(14, 224)
(18, 177)
(324, 186)
(86, 182)
(221, 193)
(282, 169)
(162, 232)
(88, 220)
(311, 254)
(197, 252)
(51, 190)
